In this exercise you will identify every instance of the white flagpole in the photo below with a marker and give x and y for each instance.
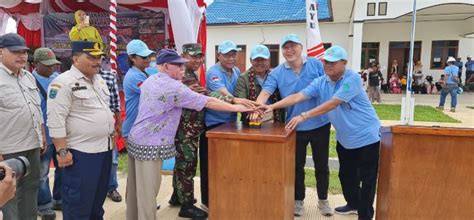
(408, 103)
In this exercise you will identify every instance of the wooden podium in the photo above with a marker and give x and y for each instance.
(426, 173)
(251, 172)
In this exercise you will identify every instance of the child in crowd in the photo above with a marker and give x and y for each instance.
(395, 84)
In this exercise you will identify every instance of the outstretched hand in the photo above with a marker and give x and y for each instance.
(294, 122)
(243, 108)
(246, 102)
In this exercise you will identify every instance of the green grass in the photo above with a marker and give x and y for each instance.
(334, 183)
(422, 113)
(332, 146)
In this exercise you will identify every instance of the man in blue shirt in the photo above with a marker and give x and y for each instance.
(450, 86)
(221, 77)
(469, 67)
(139, 57)
(290, 78)
(357, 125)
(44, 73)
(459, 64)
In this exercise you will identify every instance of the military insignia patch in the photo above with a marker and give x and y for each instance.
(52, 93)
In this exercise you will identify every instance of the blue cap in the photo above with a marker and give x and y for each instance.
(290, 37)
(260, 51)
(335, 53)
(139, 48)
(13, 42)
(90, 47)
(169, 56)
(227, 46)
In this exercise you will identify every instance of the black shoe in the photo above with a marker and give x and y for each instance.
(174, 200)
(193, 212)
(47, 214)
(345, 210)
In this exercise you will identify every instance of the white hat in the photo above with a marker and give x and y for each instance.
(469, 56)
(451, 59)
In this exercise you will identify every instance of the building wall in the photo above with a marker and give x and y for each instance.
(337, 34)
(396, 8)
(426, 32)
(251, 35)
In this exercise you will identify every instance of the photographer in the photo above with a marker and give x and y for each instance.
(7, 185)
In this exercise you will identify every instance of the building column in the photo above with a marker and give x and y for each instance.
(358, 28)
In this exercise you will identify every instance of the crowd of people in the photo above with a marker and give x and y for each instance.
(422, 83)
(73, 117)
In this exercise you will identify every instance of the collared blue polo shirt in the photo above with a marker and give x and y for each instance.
(355, 120)
(288, 82)
(131, 88)
(217, 78)
(451, 71)
(44, 82)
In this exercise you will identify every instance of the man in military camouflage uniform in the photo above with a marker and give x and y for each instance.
(187, 139)
(190, 127)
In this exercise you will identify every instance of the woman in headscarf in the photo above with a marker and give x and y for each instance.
(83, 31)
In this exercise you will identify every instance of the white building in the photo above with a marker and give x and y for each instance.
(368, 29)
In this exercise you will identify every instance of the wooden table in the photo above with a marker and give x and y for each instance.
(426, 173)
(251, 172)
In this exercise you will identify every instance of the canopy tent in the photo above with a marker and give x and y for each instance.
(186, 17)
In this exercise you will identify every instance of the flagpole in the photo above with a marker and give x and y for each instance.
(408, 103)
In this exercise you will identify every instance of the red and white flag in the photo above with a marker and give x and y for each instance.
(314, 43)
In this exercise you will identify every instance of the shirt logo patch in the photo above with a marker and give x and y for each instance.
(346, 87)
(215, 79)
(52, 93)
(77, 87)
(55, 85)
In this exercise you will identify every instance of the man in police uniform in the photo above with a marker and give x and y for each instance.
(82, 126)
(22, 132)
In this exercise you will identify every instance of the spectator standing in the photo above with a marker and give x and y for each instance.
(22, 131)
(450, 86)
(469, 67)
(375, 78)
(45, 62)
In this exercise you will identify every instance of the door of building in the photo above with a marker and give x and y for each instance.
(400, 51)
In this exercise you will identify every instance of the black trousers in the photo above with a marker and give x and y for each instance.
(319, 139)
(359, 166)
(203, 165)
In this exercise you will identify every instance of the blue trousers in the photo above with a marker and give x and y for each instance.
(113, 184)
(85, 184)
(45, 201)
(451, 89)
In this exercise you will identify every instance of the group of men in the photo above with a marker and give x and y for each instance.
(72, 107)
(80, 116)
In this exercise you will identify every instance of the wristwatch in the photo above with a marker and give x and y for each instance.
(62, 152)
(304, 115)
